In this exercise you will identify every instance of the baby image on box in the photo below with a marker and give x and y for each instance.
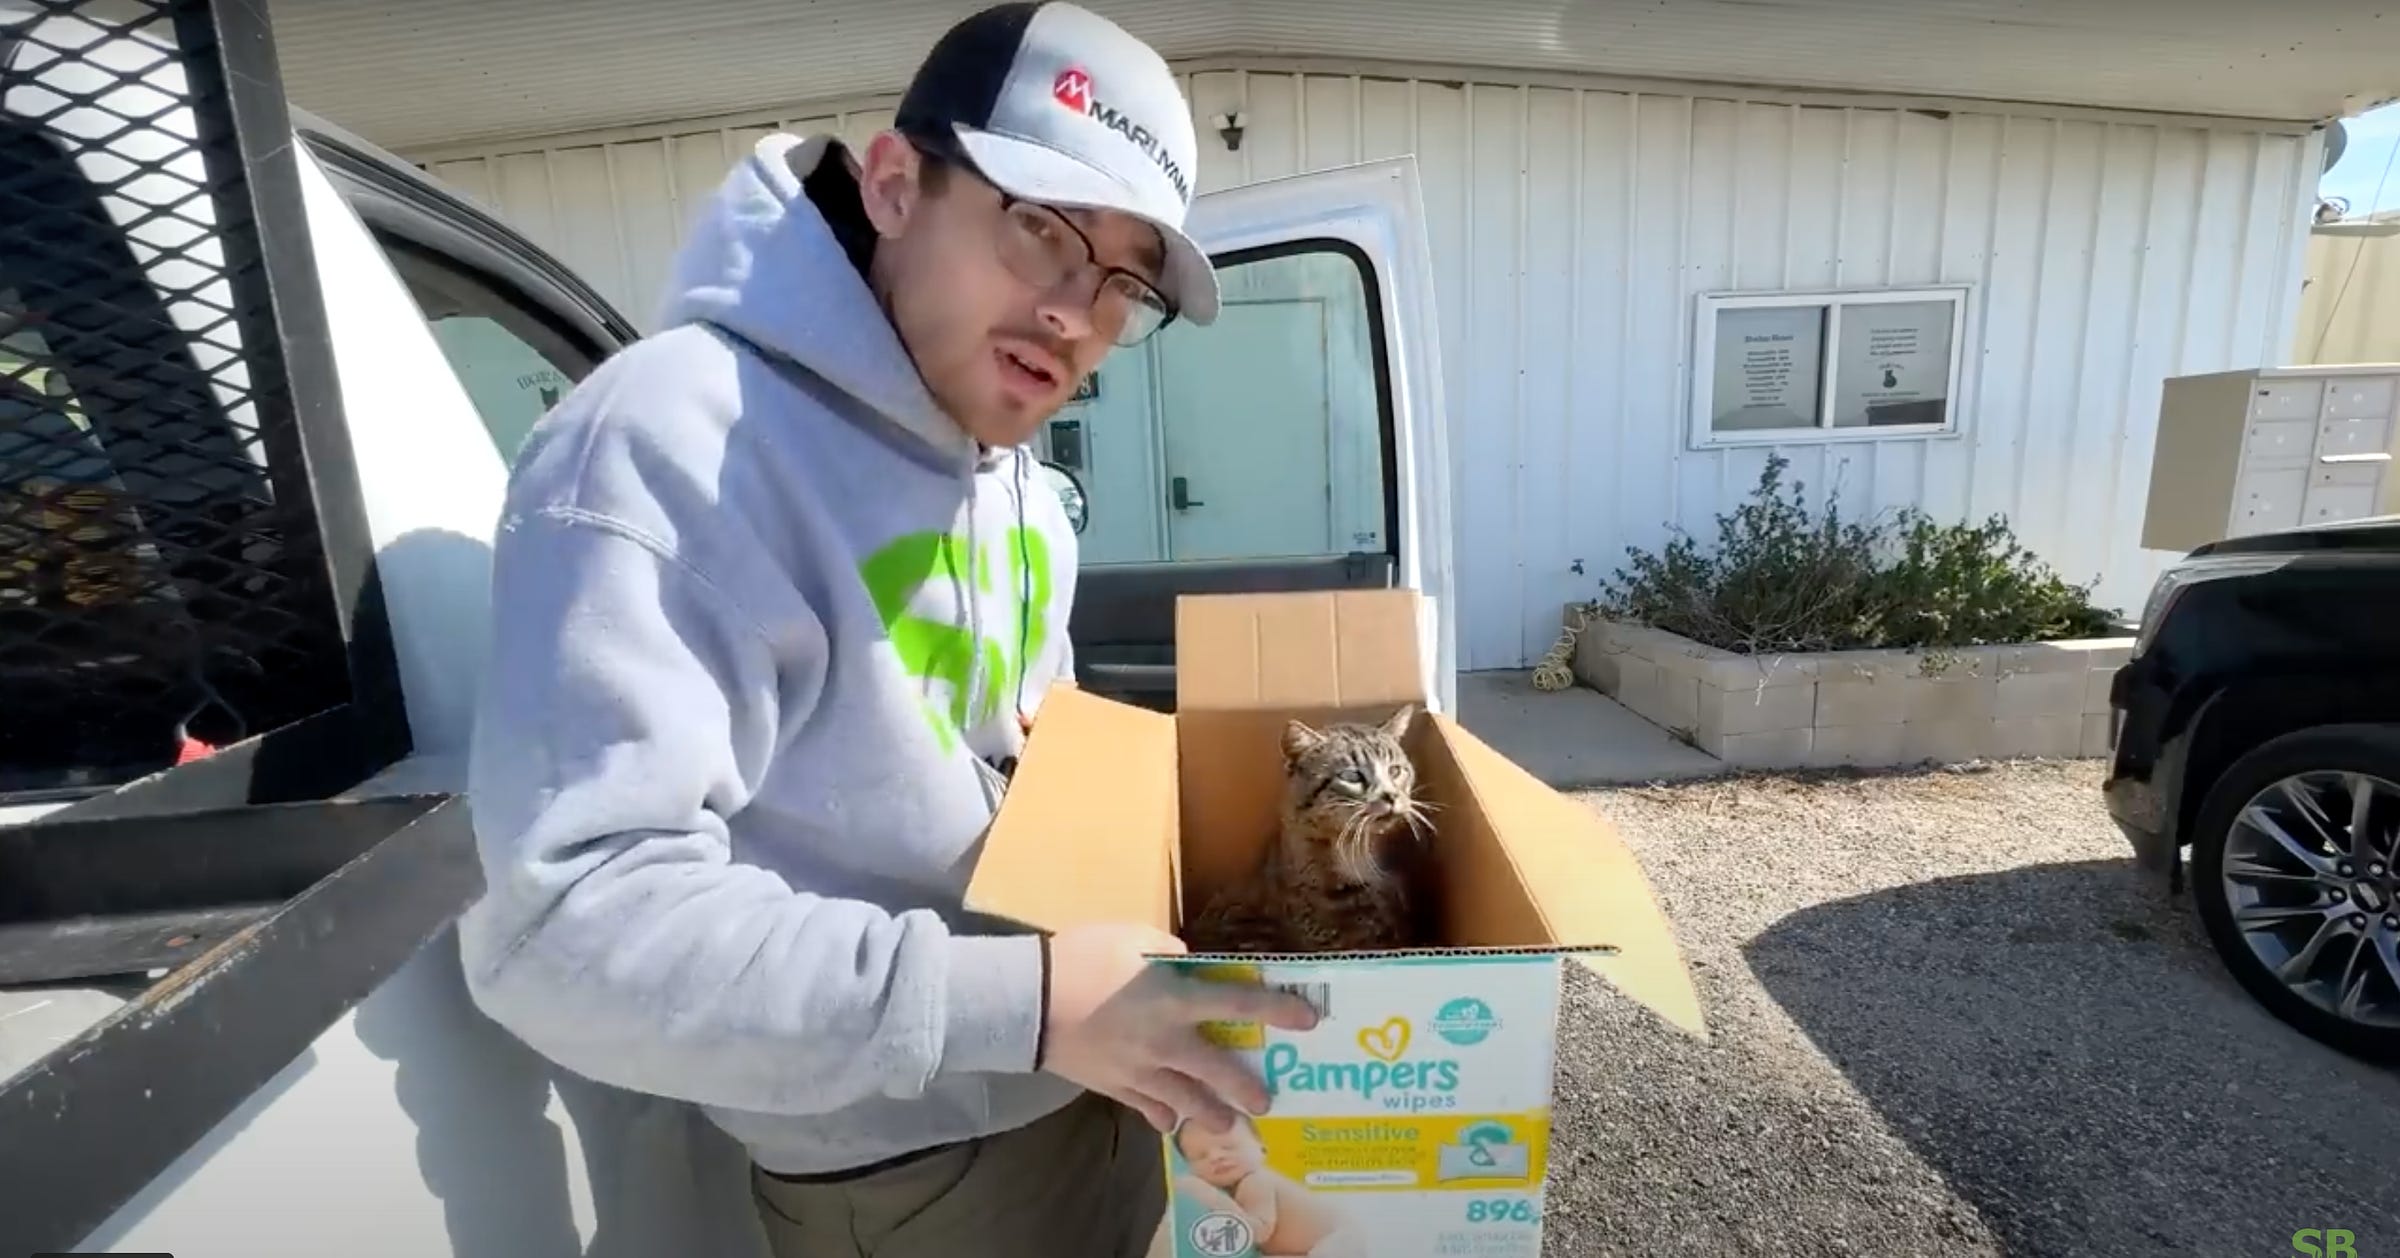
(1230, 1203)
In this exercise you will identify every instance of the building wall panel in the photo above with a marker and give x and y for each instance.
(1572, 229)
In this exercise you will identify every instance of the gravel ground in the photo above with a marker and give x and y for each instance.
(1948, 1018)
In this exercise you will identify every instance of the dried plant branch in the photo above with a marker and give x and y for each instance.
(1780, 579)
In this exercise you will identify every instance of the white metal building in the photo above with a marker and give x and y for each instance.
(2046, 207)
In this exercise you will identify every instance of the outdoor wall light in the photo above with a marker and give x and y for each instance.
(1229, 127)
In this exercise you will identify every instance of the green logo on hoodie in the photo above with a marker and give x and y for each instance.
(947, 649)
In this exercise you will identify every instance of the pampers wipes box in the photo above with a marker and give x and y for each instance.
(1414, 1119)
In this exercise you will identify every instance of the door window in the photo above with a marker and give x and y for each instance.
(513, 361)
(1260, 437)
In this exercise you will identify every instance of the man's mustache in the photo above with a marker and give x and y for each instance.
(1048, 342)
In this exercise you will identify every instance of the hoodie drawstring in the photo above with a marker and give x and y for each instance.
(1024, 582)
(975, 696)
(1024, 594)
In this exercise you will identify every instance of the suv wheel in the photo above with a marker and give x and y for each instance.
(2294, 876)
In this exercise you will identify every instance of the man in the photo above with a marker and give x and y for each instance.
(775, 589)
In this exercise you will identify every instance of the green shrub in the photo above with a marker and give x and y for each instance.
(1778, 580)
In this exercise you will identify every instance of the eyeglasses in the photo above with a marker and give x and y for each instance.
(1043, 247)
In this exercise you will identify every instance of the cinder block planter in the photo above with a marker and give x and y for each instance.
(1862, 708)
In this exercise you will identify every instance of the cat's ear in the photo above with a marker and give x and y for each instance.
(1298, 738)
(1397, 726)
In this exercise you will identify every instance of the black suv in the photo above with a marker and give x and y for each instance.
(2258, 725)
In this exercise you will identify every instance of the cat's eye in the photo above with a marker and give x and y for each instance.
(1352, 779)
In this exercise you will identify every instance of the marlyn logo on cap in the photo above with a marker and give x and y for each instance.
(1073, 89)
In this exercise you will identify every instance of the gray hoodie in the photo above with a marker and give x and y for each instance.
(762, 614)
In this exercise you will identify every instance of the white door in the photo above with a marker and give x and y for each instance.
(1308, 421)
(1249, 460)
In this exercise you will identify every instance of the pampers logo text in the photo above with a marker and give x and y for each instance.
(1387, 1076)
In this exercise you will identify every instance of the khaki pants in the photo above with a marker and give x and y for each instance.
(1088, 1181)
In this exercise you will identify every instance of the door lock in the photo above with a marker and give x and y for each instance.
(1179, 492)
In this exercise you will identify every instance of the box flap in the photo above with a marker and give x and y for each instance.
(1088, 829)
(1317, 649)
(1579, 878)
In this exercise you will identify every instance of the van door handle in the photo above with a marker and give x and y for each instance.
(1179, 492)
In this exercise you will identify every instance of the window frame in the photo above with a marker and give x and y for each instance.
(480, 295)
(532, 323)
(1387, 435)
(398, 202)
(433, 237)
(1699, 431)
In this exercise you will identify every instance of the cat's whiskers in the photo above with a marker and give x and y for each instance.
(1353, 846)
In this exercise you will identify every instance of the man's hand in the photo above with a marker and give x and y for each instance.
(1131, 1030)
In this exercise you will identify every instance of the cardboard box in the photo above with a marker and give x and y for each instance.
(1414, 1119)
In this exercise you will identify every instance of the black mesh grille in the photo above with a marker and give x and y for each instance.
(160, 565)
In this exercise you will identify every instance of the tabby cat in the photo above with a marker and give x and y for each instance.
(1346, 870)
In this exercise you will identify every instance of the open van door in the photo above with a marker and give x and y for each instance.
(1300, 442)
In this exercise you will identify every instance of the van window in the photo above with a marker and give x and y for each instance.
(514, 364)
(1260, 437)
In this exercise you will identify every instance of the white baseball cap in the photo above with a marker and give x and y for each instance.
(1055, 104)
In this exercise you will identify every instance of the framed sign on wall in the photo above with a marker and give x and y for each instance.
(1786, 368)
